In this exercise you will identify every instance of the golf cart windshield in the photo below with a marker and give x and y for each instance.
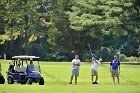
(32, 68)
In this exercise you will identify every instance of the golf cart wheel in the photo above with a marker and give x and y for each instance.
(30, 81)
(2, 80)
(41, 82)
(10, 80)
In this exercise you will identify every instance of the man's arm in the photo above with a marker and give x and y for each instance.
(96, 61)
(74, 63)
(119, 68)
(119, 65)
(99, 61)
(110, 66)
(78, 64)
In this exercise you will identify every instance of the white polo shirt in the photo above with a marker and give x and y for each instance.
(95, 65)
(76, 61)
(17, 68)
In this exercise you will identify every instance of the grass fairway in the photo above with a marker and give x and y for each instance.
(57, 77)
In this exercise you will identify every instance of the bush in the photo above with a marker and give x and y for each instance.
(130, 48)
(131, 59)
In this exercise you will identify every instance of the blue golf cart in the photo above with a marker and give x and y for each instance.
(29, 74)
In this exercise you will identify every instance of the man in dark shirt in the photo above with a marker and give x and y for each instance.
(115, 69)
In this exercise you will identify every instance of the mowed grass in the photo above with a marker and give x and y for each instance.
(57, 76)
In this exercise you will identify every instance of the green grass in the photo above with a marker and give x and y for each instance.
(57, 77)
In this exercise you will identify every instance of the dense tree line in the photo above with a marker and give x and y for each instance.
(56, 29)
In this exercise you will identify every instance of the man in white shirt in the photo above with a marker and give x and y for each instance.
(75, 68)
(95, 64)
(17, 67)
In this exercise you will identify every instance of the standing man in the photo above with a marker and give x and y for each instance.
(75, 68)
(115, 69)
(95, 64)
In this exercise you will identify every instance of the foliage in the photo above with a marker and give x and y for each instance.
(131, 59)
(130, 48)
(47, 28)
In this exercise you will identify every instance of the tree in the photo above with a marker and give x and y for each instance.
(69, 25)
(62, 36)
(24, 21)
(129, 26)
(102, 17)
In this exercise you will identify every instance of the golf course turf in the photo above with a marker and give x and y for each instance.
(57, 76)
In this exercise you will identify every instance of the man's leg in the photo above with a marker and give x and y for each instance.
(113, 79)
(73, 73)
(76, 75)
(71, 79)
(92, 78)
(96, 78)
(113, 74)
(118, 77)
(75, 79)
(118, 80)
(96, 74)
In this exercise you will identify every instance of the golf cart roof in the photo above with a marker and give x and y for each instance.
(25, 57)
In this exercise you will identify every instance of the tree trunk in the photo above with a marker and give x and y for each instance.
(26, 38)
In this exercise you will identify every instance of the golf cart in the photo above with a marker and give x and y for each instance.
(2, 80)
(30, 74)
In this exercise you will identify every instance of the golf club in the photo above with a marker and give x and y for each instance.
(90, 49)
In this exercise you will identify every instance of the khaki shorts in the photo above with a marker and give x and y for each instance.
(114, 73)
(94, 72)
(75, 72)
